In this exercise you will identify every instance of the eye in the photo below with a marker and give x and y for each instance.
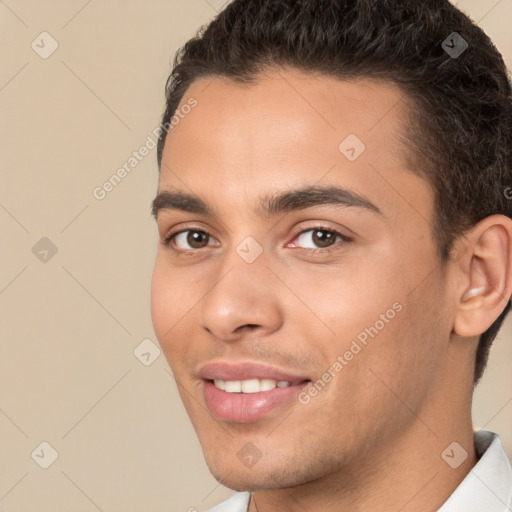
(188, 239)
(319, 238)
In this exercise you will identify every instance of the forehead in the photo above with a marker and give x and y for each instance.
(291, 128)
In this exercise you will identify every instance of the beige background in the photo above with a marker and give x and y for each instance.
(68, 374)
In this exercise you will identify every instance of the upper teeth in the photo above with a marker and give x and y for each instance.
(250, 386)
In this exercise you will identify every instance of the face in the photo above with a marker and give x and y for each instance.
(303, 257)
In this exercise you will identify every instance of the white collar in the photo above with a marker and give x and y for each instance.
(488, 486)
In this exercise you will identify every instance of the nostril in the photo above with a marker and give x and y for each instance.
(247, 326)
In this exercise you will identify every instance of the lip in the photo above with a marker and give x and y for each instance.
(248, 407)
(245, 371)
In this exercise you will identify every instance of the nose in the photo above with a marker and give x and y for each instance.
(244, 300)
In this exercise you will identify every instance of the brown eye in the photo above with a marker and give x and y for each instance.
(323, 238)
(191, 239)
(318, 238)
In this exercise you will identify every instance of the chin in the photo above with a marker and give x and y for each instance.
(280, 473)
(236, 477)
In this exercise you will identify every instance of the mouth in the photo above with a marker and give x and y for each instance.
(245, 393)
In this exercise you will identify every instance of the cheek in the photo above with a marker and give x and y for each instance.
(167, 307)
(160, 300)
(370, 311)
(344, 300)
(400, 361)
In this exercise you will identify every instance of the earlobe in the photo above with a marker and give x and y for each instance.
(486, 267)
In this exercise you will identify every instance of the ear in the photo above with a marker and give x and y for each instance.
(485, 276)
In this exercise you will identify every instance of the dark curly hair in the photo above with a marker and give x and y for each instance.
(460, 126)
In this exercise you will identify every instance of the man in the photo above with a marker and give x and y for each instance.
(335, 252)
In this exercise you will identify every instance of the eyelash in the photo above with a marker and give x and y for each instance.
(325, 250)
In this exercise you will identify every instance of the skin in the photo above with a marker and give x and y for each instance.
(373, 438)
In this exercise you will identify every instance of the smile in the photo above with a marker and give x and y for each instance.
(245, 392)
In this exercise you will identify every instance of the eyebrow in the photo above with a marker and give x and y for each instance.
(271, 204)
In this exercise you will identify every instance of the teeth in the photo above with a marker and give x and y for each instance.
(233, 386)
(219, 383)
(250, 386)
(267, 384)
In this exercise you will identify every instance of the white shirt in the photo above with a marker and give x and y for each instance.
(486, 488)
